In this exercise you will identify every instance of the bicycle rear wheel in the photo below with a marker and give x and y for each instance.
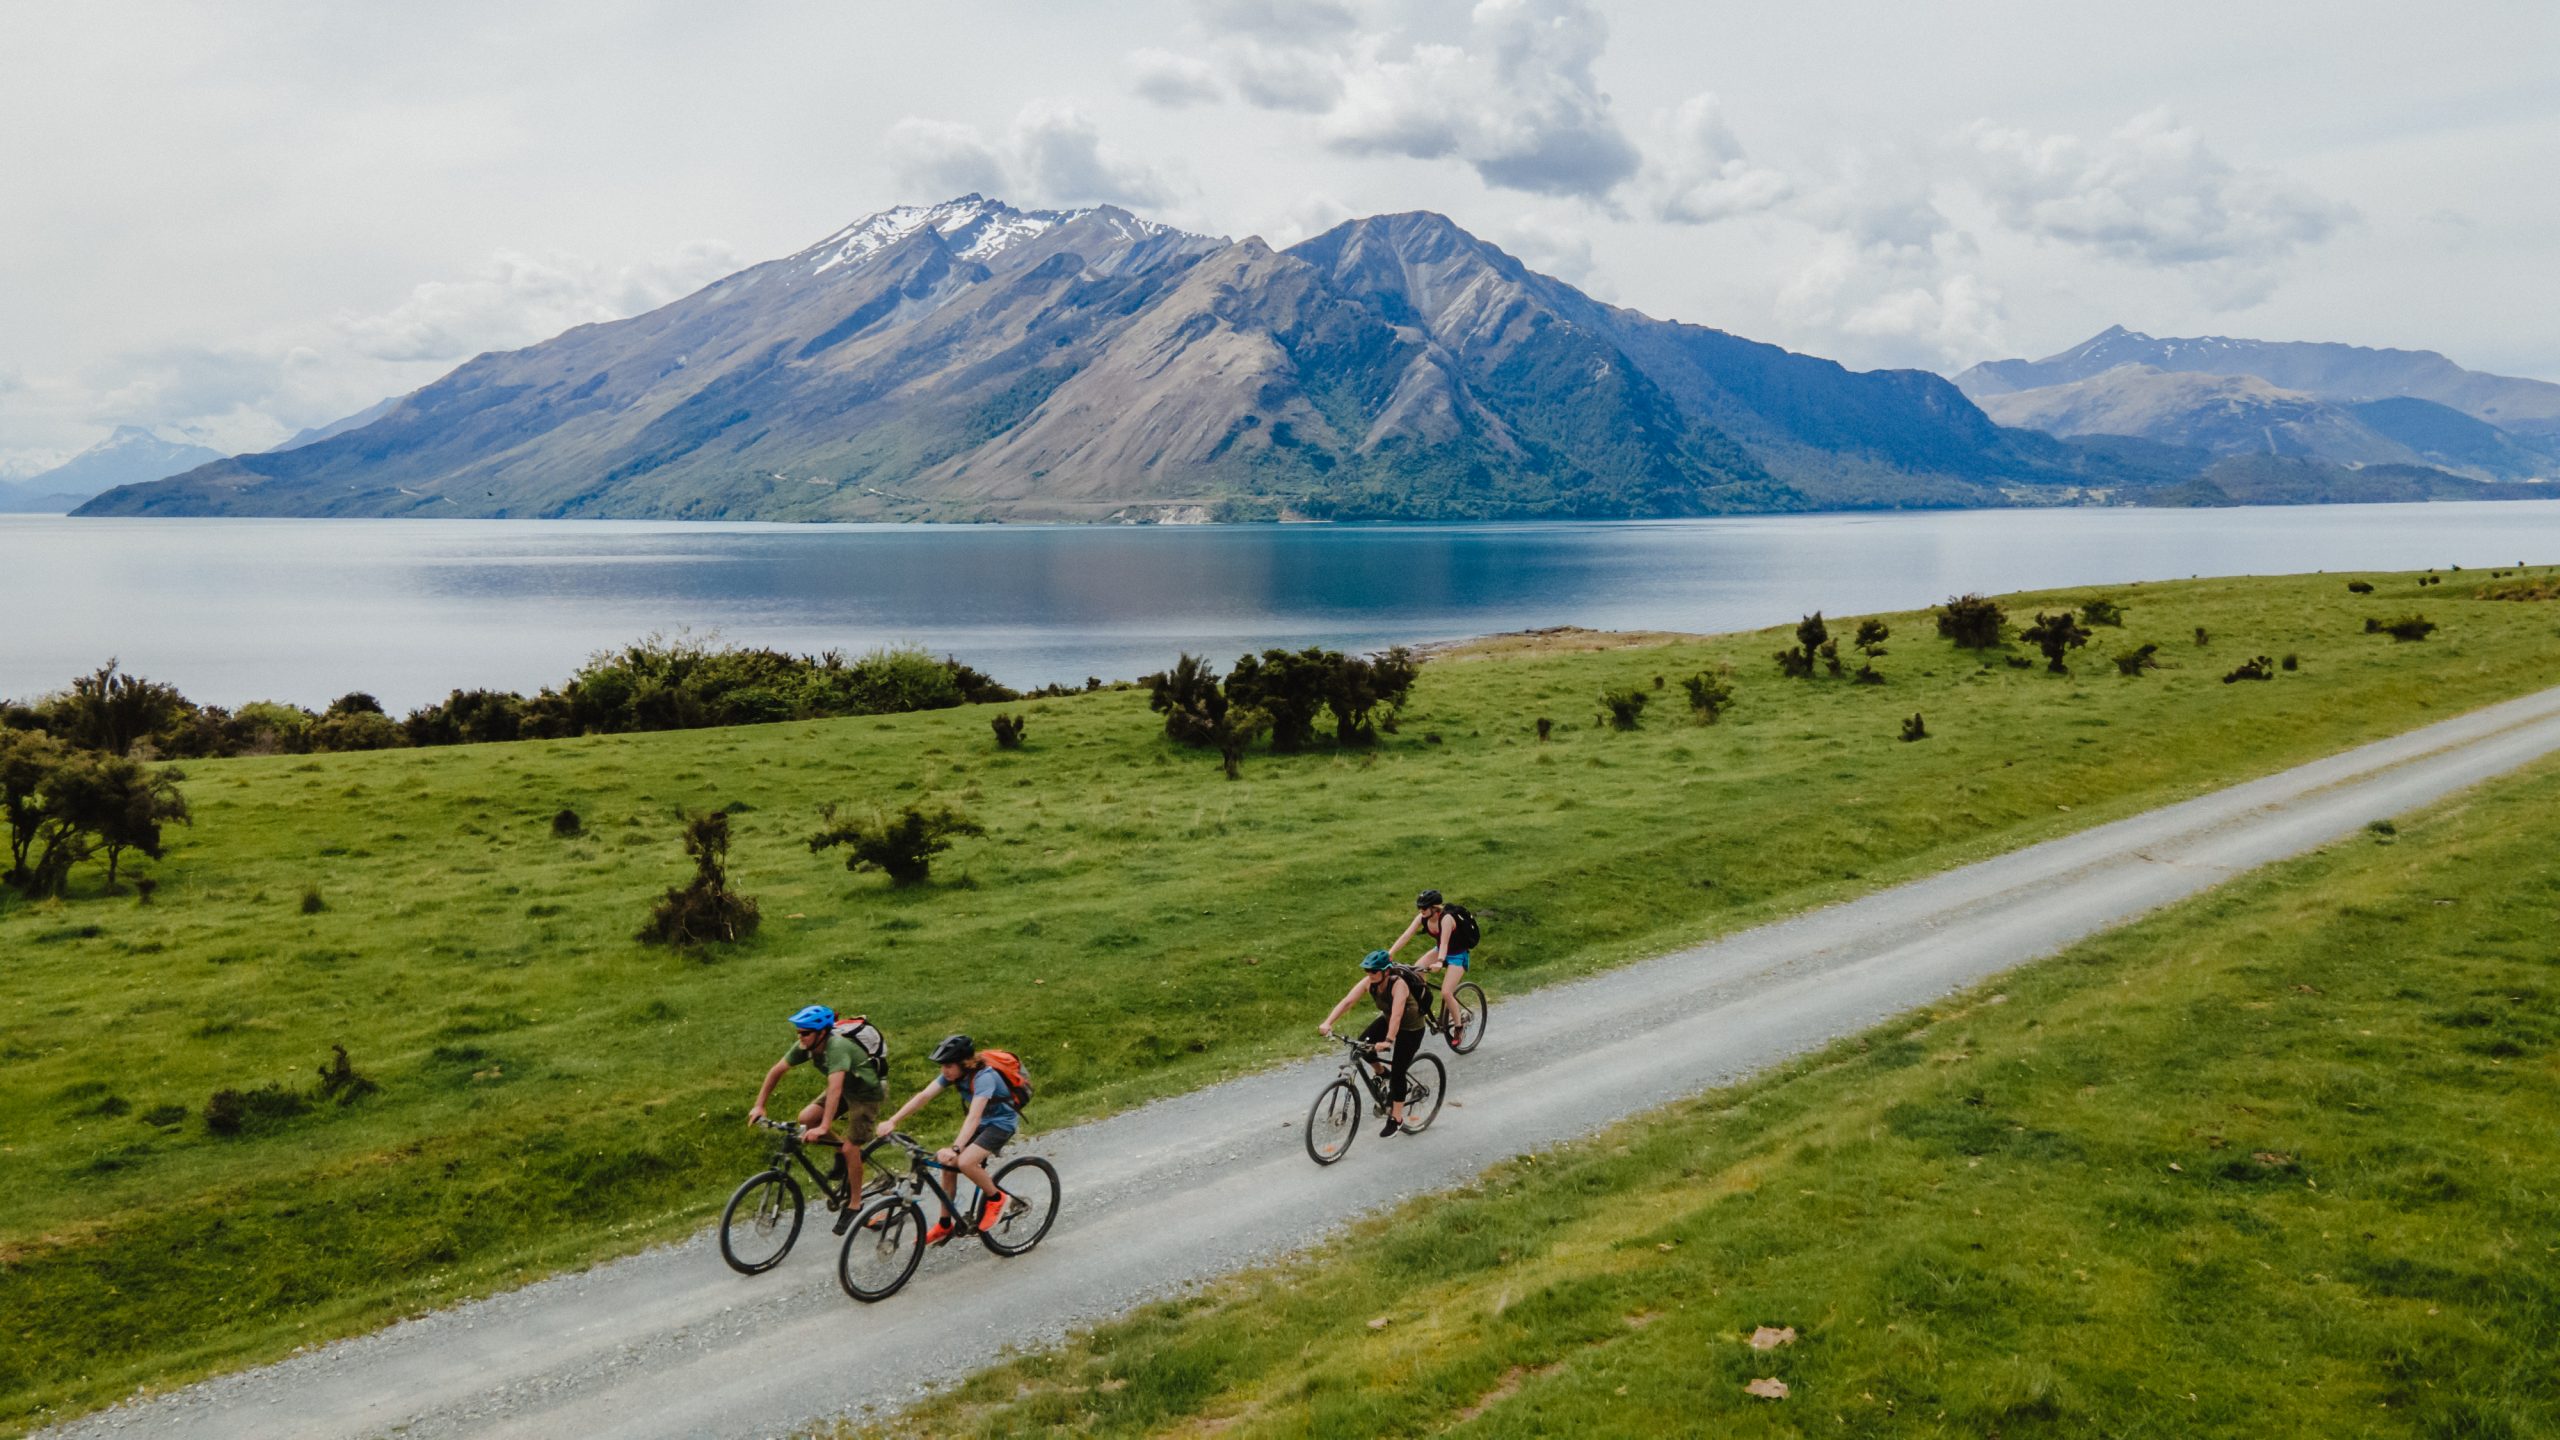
(761, 1223)
(881, 1249)
(1333, 1122)
(1471, 1013)
(1426, 1084)
(1030, 1189)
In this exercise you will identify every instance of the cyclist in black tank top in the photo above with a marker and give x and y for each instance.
(1432, 916)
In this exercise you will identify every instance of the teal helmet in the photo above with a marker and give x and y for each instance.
(815, 1017)
(1376, 961)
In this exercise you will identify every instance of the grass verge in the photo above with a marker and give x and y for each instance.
(2275, 1161)
(551, 1092)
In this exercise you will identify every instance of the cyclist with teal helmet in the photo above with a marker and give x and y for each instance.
(853, 1091)
(1392, 988)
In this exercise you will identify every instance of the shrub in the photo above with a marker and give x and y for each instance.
(356, 730)
(2143, 657)
(2019, 662)
(1188, 697)
(164, 1116)
(1708, 697)
(1008, 730)
(1359, 691)
(2260, 668)
(143, 887)
(1872, 634)
(1914, 728)
(2402, 628)
(566, 825)
(2101, 610)
(2382, 827)
(2053, 634)
(1546, 727)
(2291, 662)
(341, 1081)
(1288, 686)
(1623, 709)
(1867, 675)
(1813, 641)
(902, 847)
(2201, 637)
(703, 909)
(1974, 622)
(233, 1112)
(2359, 587)
(312, 904)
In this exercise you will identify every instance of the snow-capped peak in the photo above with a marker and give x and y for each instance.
(975, 227)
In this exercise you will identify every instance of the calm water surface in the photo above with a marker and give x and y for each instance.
(302, 610)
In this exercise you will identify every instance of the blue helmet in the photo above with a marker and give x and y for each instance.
(815, 1017)
(1376, 961)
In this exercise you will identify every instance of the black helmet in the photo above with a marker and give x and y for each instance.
(954, 1050)
(1426, 899)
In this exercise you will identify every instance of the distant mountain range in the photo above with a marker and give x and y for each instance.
(973, 361)
(2341, 405)
(130, 455)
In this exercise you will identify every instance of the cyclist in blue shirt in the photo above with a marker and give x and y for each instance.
(992, 1120)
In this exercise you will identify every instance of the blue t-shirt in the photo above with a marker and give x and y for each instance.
(985, 1081)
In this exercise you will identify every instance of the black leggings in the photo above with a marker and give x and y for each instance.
(1408, 1045)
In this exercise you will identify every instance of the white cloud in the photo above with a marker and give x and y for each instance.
(517, 300)
(1550, 245)
(2151, 193)
(1700, 173)
(1051, 155)
(1282, 77)
(1293, 21)
(1174, 81)
(1893, 307)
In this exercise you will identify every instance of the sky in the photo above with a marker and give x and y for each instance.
(231, 222)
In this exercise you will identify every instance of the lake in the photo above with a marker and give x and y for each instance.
(303, 610)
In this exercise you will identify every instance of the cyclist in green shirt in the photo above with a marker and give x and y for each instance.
(853, 1092)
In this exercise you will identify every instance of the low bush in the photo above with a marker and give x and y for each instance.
(901, 847)
(1813, 642)
(1872, 634)
(2359, 587)
(2053, 634)
(2291, 661)
(312, 904)
(2401, 627)
(2101, 610)
(235, 1112)
(1914, 728)
(341, 1081)
(1709, 695)
(1974, 622)
(1623, 709)
(2142, 657)
(2201, 637)
(566, 825)
(1546, 727)
(1867, 674)
(2260, 668)
(1008, 730)
(704, 909)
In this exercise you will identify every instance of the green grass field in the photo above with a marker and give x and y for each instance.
(2278, 1161)
(552, 1092)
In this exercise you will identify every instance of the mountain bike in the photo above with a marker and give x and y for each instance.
(762, 1220)
(1333, 1122)
(887, 1238)
(1471, 1005)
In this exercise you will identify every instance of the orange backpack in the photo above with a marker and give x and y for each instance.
(1009, 1065)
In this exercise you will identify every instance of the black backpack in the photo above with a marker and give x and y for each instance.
(1464, 938)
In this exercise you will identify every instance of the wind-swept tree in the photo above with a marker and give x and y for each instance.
(2053, 634)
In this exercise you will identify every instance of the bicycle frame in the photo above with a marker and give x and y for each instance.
(794, 1146)
(920, 1162)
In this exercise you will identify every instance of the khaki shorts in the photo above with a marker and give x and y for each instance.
(855, 1119)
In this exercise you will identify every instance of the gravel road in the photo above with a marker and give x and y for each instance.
(670, 1343)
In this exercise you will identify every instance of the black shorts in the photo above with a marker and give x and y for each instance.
(989, 1136)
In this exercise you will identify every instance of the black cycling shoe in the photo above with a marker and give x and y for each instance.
(1392, 1127)
(844, 1218)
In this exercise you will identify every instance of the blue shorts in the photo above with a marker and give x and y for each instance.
(1459, 960)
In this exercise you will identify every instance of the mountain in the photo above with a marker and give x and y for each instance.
(970, 360)
(128, 456)
(2336, 373)
(341, 426)
(2244, 415)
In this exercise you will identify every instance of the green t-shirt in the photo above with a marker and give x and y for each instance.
(840, 1054)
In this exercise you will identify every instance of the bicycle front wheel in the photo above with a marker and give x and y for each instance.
(881, 1249)
(1030, 1189)
(1471, 1013)
(761, 1222)
(1426, 1084)
(1333, 1122)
